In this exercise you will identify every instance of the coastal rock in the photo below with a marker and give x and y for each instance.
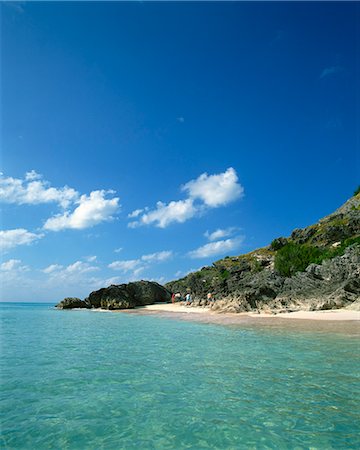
(72, 302)
(122, 296)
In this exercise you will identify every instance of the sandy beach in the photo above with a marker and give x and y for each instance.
(331, 315)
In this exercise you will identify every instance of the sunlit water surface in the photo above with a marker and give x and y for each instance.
(84, 379)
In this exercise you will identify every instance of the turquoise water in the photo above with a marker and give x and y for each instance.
(83, 379)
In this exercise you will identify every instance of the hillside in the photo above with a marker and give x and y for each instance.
(317, 267)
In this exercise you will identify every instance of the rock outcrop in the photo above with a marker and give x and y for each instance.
(331, 285)
(122, 296)
(71, 303)
(251, 282)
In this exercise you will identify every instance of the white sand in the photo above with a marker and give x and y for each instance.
(176, 307)
(335, 314)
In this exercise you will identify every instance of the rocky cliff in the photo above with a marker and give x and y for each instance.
(317, 267)
(122, 296)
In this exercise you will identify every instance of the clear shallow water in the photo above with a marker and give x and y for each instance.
(81, 379)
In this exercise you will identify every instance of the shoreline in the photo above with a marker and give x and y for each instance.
(343, 315)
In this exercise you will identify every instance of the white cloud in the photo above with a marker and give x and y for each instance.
(92, 210)
(89, 210)
(134, 224)
(165, 214)
(52, 283)
(157, 257)
(32, 191)
(137, 266)
(135, 213)
(216, 248)
(207, 191)
(220, 233)
(118, 250)
(52, 268)
(75, 273)
(19, 236)
(13, 274)
(13, 265)
(80, 267)
(125, 265)
(32, 175)
(91, 258)
(77, 279)
(215, 190)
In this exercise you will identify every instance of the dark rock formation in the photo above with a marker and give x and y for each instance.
(122, 296)
(71, 302)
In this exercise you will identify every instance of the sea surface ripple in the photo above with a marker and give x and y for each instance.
(85, 380)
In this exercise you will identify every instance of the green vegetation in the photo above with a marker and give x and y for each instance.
(225, 274)
(339, 250)
(278, 243)
(357, 191)
(256, 265)
(294, 257)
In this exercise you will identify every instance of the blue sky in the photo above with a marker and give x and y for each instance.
(145, 140)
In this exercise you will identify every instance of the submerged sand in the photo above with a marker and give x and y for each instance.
(344, 322)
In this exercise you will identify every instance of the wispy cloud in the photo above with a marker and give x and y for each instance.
(220, 233)
(19, 236)
(124, 266)
(217, 248)
(92, 258)
(92, 210)
(52, 268)
(76, 279)
(135, 213)
(13, 265)
(158, 256)
(328, 71)
(73, 273)
(137, 266)
(205, 192)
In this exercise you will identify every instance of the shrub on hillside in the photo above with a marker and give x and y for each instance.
(278, 243)
(294, 258)
(357, 191)
(225, 274)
